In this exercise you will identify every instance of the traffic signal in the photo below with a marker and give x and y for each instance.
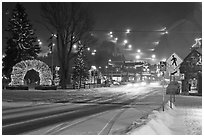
(162, 66)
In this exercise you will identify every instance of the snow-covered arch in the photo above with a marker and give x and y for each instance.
(21, 68)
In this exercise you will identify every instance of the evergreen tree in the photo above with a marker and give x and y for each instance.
(20, 43)
(80, 71)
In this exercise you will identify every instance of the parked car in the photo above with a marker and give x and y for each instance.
(173, 86)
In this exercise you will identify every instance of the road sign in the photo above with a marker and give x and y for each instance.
(173, 62)
(162, 66)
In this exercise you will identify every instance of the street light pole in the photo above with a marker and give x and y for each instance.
(52, 67)
(163, 90)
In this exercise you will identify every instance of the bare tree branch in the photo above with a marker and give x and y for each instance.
(72, 21)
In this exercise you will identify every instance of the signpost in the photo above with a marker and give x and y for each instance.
(162, 67)
(173, 63)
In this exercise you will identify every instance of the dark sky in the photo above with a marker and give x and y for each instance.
(182, 20)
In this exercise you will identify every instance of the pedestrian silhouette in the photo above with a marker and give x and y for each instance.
(174, 60)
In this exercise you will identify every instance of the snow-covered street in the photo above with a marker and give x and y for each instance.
(103, 111)
(109, 114)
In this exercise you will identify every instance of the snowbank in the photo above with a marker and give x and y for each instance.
(161, 123)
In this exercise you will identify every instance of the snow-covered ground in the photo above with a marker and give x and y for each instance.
(184, 119)
(177, 121)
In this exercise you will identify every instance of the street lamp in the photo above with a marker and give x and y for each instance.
(40, 42)
(130, 46)
(88, 49)
(125, 41)
(156, 43)
(138, 51)
(52, 52)
(74, 46)
(54, 35)
(93, 67)
(153, 56)
(138, 57)
(109, 60)
(93, 52)
(128, 31)
(94, 72)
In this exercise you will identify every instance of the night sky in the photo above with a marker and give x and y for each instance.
(182, 20)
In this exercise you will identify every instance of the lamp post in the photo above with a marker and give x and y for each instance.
(52, 51)
(52, 64)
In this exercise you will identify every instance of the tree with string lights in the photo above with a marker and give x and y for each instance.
(80, 71)
(21, 40)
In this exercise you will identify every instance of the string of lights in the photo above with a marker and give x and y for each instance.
(138, 31)
(21, 68)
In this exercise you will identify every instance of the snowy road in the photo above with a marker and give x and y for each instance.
(104, 111)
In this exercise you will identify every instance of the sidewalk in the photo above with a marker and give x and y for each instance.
(184, 119)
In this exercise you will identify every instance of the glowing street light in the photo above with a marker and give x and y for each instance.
(94, 50)
(138, 51)
(153, 56)
(93, 67)
(110, 33)
(99, 67)
(163, 29)
(130, 46)
(88, 49)
(109, 60)
(128, 31)
(137, 56)
(156, 43)
(93, 53)
(54, 35)
(151, 49)
(111, 36)
(74, 46)
(116, 39)
(40, 42)
(125, 41)
(106, 67)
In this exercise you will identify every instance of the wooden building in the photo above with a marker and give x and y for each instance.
(191, 67)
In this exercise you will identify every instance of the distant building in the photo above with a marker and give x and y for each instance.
(132, 71)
